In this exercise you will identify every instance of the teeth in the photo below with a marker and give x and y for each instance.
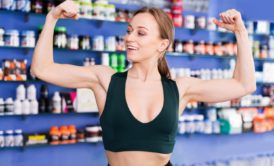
(132, 48)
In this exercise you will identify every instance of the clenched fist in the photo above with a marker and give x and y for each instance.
(67, 9)
(231, 20)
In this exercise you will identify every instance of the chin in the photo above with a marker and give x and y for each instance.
(133, 57)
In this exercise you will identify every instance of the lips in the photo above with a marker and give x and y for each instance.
(131, 48)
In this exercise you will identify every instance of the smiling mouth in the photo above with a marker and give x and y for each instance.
(131, 49)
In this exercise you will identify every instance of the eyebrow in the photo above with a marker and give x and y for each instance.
(137, 26)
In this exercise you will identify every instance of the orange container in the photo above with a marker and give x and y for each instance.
(64, 134)
(73, 131)
(54, 135)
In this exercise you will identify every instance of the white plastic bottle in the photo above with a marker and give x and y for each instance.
(18, 137)
(34, 109)
(9, 106)
(26, 107)
(21, 92)
(17, 107)
(31, 92)
(105, 59)
(2, 140)
(56, 100)
(9, 139)
(2, 106)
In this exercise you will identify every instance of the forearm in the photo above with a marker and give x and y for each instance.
(244, 71)
(43, 53)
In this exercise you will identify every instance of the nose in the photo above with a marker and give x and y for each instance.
(129, 37)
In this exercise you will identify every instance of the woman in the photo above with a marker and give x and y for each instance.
(139, 108)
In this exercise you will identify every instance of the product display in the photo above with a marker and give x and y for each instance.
(218, 49)
(14, 38)
(228, 121)
(11, 138)
(85, 101)
(93, 133)
(13, 70)
(70, 135)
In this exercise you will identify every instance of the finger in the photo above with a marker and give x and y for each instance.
(223, 18)
(68, 15)
(236, 14)
(233, 13)
(70, 6)
(230, 16)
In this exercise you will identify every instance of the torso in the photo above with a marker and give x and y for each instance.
(147, 96)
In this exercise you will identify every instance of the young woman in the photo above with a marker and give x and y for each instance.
(139, 108)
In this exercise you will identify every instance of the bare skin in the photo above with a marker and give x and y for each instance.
(144, 92)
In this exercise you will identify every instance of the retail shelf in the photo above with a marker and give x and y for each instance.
(265, 83)
(33, 81)
(133, 7)
(236, 107)
(178, 54)
(216, 136)
(172, 54)
(62, 49)
(28, 14)
(95, 114)
(47, 145)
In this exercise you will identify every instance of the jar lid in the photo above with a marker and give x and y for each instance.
(18, 131)
(9, 131)
(28, 33)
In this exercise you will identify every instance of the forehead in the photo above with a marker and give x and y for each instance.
(144, 20)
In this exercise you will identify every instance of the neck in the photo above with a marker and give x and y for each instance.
(144, 71)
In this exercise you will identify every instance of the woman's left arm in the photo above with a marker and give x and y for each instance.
(243, 81)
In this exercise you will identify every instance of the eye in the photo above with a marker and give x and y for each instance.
(141, 33)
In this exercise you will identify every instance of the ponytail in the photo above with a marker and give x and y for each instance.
(163, 67)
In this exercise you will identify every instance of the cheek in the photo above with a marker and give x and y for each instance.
(148, 45)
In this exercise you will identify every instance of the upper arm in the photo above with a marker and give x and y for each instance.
(217, 90)
(72, 76)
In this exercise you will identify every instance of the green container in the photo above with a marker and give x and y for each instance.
(114, 61)
(122, 61)
(120, 69)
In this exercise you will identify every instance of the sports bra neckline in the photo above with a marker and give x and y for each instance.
(129, 111)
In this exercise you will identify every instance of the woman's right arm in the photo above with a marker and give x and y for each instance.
(65, 75)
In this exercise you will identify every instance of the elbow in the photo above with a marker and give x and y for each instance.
(251, 88)
(35, 72)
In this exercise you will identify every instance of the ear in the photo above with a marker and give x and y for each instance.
(163, 45)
